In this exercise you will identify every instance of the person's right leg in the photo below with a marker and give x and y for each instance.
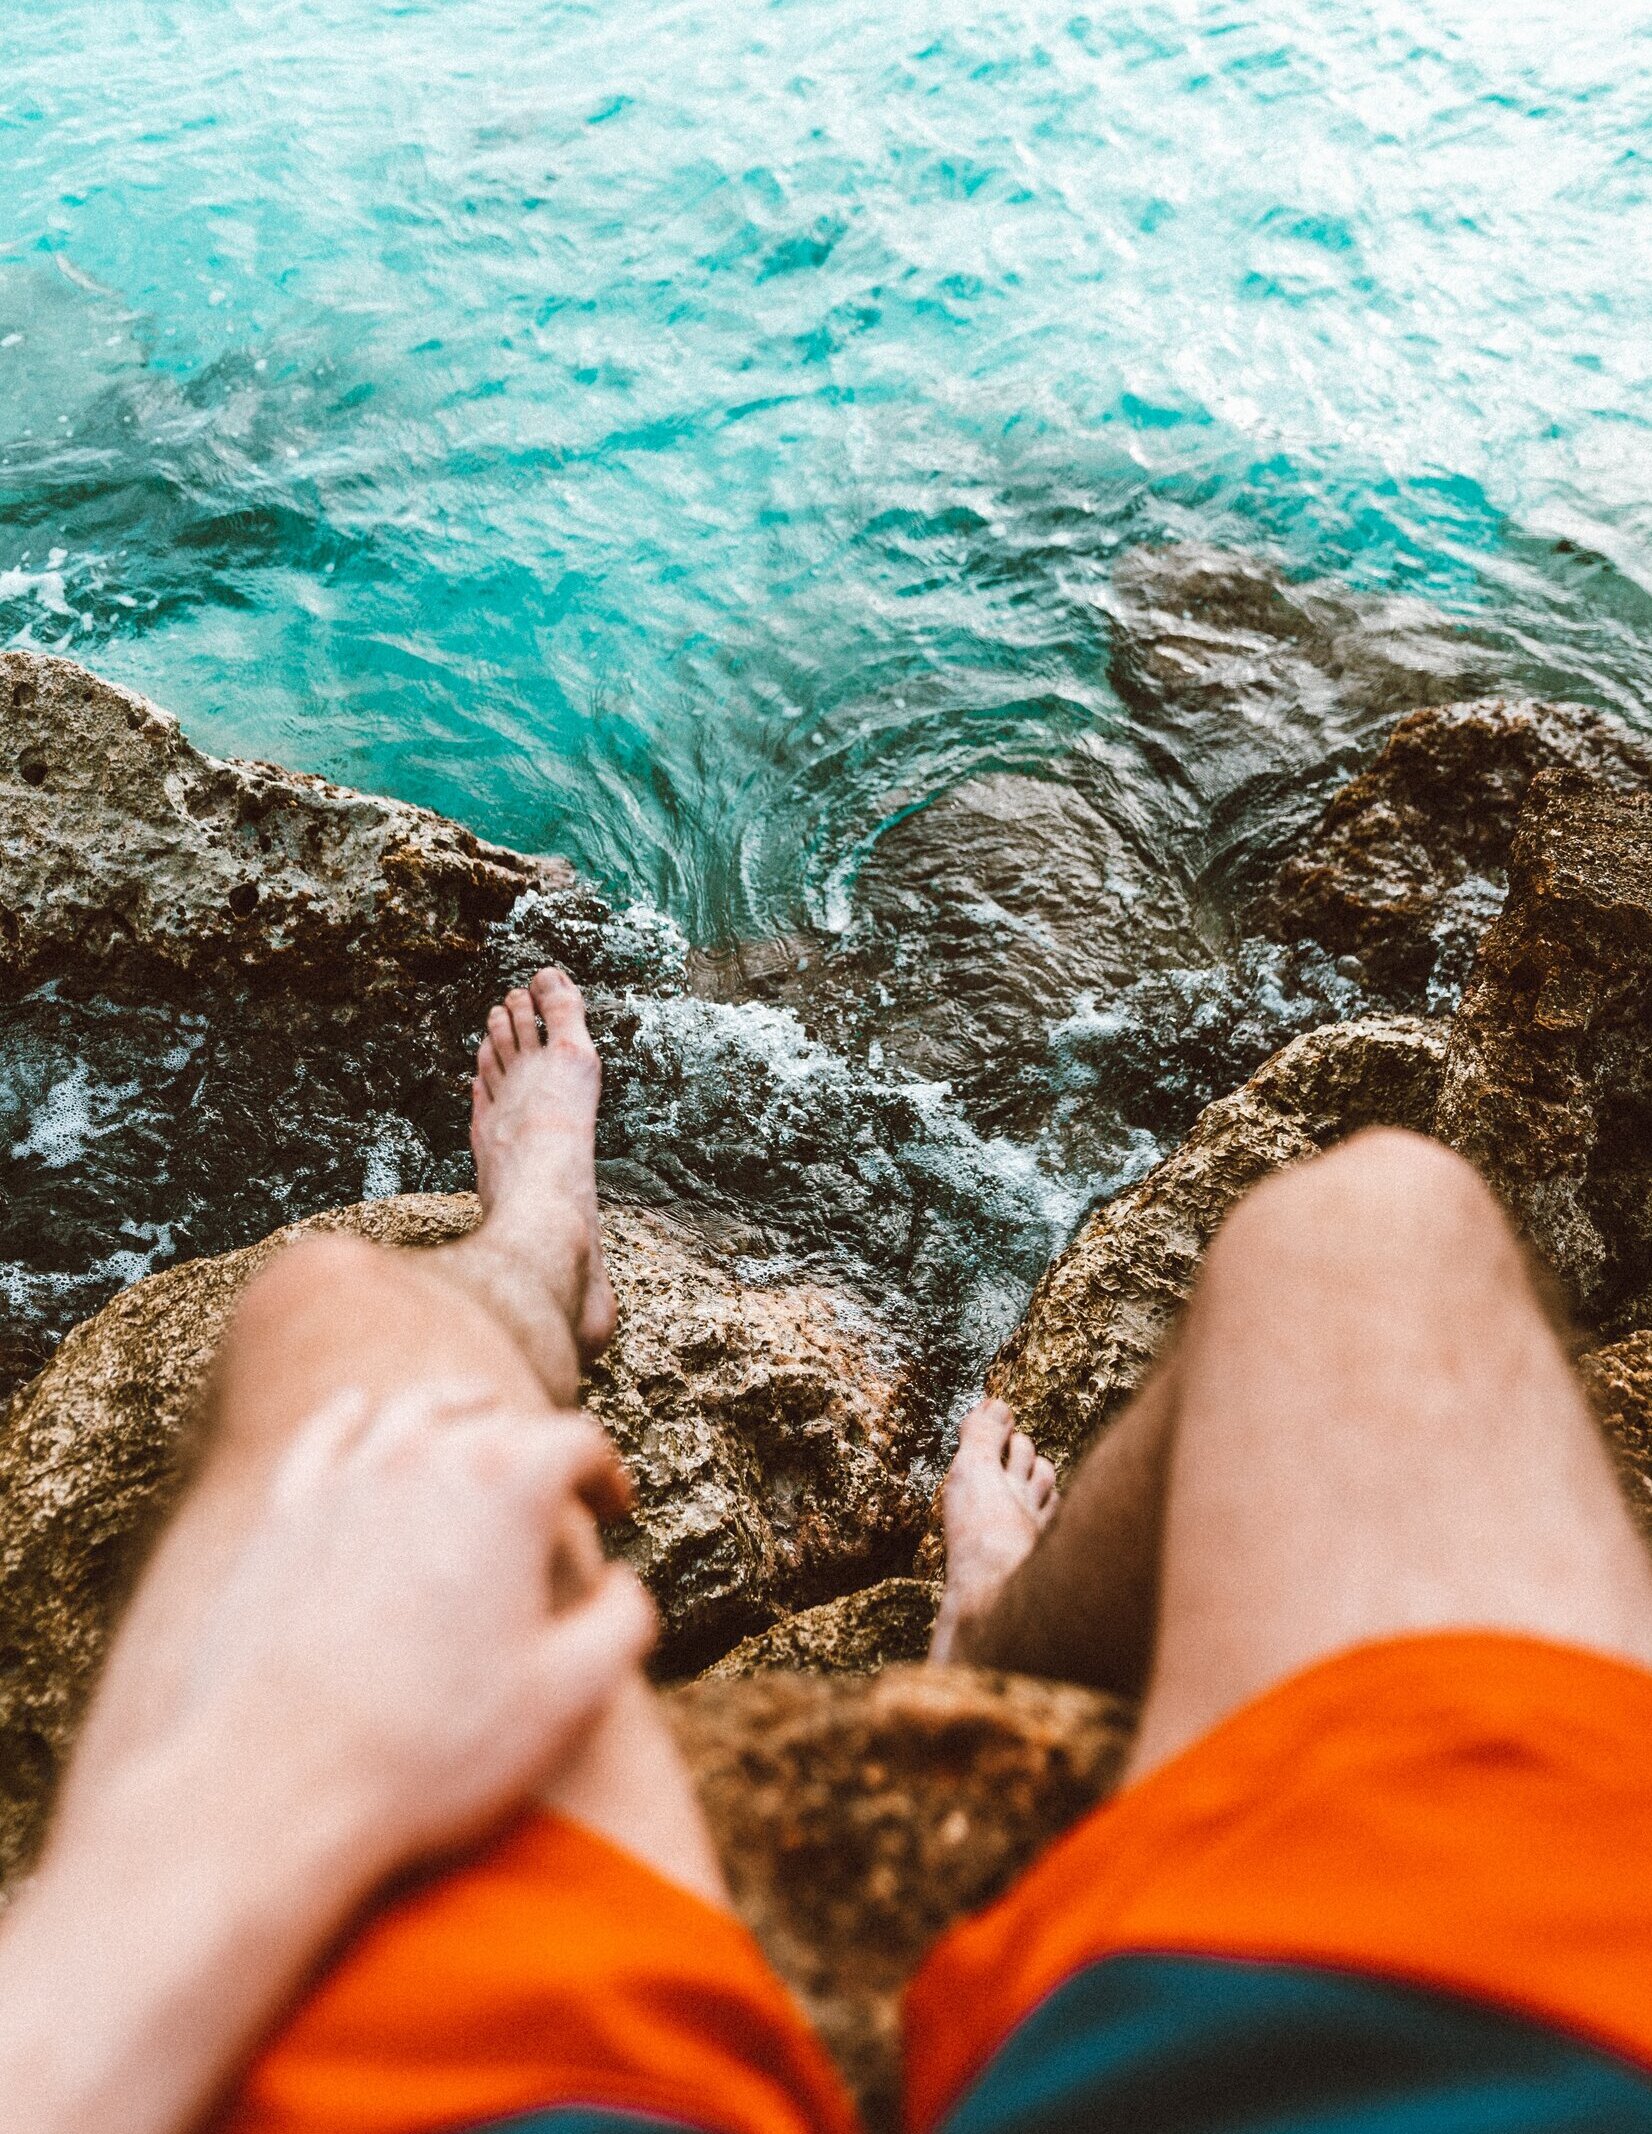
(1367, 1425)
(1376, 1432)
(1383, 1855)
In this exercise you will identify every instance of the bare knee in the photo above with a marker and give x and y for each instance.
(1385, 1205)
(271, 1363)
(325, 1273)
(1385, 1164)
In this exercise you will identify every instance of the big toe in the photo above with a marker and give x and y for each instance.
(985, 1431)
(560, 1004)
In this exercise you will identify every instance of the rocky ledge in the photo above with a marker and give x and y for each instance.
(1481, 893)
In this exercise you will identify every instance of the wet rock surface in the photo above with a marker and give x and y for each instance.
(858, 1819)
(1252, 695)
(1101, 1313)
(1548, 1087)
(770, 1431)
(1409, 863)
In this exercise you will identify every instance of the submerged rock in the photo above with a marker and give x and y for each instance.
(1250, 694)
(1060, 946)
(1021, 895)
(979, 921)
(1548, 1086)
(858, 1819)
(855, 1635)
(1409, 864)
(768, 1428)
(1101, 1313)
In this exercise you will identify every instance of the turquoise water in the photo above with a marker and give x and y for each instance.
(684, 436)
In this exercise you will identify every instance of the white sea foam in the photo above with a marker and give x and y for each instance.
(53, 1298)
(392, 1154)
(884, 1166)
(73, 1113)
(47, 588)
(645, 934)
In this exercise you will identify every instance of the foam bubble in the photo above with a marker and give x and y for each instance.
(74, 1112)
(874, 1170)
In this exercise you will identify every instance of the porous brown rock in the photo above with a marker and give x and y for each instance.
(1101, 1313)
(1618, 1381)
(767, 1428)
(1409, 863)
(130, 858)
(854, 1635)
(778, 1446)
(859, 1818)
(1548, 1085)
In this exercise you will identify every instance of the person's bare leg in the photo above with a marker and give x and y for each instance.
(511, 1311)
(1074, 1596)
(1377, 1432)
(1367, 1426)
(998, 1497)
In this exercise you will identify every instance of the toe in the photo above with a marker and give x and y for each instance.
(489, 1072)
(1042, 1487)
(480, 1096)
(560, 1007)
(985, 1428)
(1022, 1457)
(519, 1007)
(503, 1033)
(599, 1315)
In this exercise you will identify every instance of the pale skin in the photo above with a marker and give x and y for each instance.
(346, 1654)
(1365, 1426)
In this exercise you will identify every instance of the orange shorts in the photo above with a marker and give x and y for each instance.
(554, 1975)
(1417, 1875)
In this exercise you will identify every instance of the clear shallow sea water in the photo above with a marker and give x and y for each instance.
(690, 437)
(683, 436)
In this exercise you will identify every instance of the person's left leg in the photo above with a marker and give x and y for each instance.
(588, 1957)
(509, 1312)
(1073, 1598)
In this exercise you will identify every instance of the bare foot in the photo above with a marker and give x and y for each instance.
(998, 1497)
(533, 1133)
